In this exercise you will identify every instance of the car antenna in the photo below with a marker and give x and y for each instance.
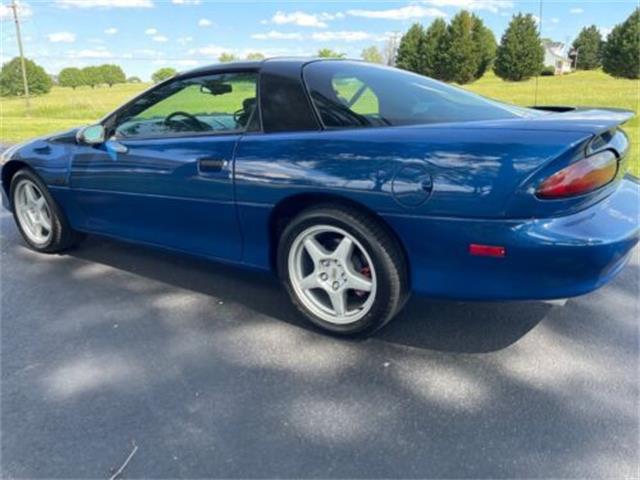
(535, 98)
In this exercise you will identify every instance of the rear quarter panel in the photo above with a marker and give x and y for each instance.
(472, 173)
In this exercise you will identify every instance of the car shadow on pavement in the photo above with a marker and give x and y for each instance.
(468, 327)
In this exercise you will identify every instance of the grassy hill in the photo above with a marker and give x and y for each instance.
(64, 107)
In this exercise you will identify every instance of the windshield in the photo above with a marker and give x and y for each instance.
(355, 94)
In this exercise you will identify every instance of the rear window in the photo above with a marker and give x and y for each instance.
(354, 94)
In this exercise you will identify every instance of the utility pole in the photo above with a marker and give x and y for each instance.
(14, 7)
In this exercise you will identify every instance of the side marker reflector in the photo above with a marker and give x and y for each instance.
(487, 250)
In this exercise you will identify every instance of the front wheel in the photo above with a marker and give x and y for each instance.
(38, 217)
(342, 270)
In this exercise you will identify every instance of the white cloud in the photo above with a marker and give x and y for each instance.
(345, 36)
(24, 11)
(105, 3)
(209, 51)
(188, 63)
(151, 31)
(62, 37)
(204, 22)
(303, 19)
(555, 20)
(576, 10)
(88, 53)
(160, 38)
(111, 31)
(605, 31)
(148, 52)
(186, 2)
(536, 19)
(274, 35)
(184, 40)
(491, 5)
(403, 13)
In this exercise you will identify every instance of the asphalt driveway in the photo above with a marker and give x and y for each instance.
(209, 371)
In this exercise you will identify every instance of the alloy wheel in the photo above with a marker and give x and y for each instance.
(332, 274)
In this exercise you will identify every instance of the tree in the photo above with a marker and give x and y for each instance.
(372, 55)
(391, 49)
(163, 74)
(11, 82)
(520, 54)
(486, 45)
(134, 79)
(92, 76)
(328, 53)
(227, 57)
(621, 55)
(411, 55)
(588, 48)
(461, 53)
(255, 56)
(71, 77)
(433, 49)
(112, 74)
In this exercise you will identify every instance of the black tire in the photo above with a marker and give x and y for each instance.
(385, 252)
(62, 235)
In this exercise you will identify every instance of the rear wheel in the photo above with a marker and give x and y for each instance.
(342, 269)
(37, 215)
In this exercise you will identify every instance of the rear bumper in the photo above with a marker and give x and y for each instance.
(545, 258)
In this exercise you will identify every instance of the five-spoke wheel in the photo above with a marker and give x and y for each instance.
(332, 273)
(343, 270)
(32, 212)
(39, 218)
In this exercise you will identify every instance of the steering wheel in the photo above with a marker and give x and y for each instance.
(189, 120)
(237, 115)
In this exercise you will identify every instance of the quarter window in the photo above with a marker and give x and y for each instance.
(221, 103)
(353, 94)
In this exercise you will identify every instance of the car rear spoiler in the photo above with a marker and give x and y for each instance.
(620, 115)
(596, 120)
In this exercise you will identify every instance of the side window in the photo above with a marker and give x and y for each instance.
(356, 95)
(213, 103)
(346, 101)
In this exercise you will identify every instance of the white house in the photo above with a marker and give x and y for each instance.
(555, 56)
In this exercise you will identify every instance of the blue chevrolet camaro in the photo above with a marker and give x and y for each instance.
(357, 184)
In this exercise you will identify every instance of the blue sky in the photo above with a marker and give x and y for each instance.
(144, 35)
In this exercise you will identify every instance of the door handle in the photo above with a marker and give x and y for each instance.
(209, 164)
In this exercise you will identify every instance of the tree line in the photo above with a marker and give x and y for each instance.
(91, 76)
(460, 51)
(463, 50)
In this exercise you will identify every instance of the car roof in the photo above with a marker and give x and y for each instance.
(250, 65)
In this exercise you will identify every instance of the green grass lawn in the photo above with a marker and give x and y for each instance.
(64, 108)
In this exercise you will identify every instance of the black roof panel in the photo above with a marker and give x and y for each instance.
(249, 65)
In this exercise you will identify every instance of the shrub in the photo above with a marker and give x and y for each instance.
(548, 72)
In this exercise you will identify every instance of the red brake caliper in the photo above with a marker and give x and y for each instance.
(366, 271)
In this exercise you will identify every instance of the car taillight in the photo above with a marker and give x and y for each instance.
(581, 177)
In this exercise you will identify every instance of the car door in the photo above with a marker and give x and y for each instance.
(166, 175)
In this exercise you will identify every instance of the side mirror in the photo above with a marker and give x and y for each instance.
(92, 135)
